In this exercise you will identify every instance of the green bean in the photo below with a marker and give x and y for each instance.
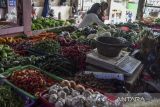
(8, 98)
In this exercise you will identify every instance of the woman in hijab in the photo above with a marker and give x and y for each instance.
(92, 17)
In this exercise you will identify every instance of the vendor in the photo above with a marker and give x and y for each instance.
(104, 6)
(92, 17)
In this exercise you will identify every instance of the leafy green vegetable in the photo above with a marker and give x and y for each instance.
(157, 20)
(47, 46)
(44, 23)
(132, 36)
(8, 98)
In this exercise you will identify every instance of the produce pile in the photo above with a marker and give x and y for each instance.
(131, 26)
(66, 41)
(22, 47)
(47, 46)
(56, 64)
(17, 60)
(77, 55)
(131, 36)
(107, 86)
(157, 21)
(8, 98)
(31, 80)
(63, 53)
(5, 51)
(44, 23)
(42, 36)
(70, 94)
(4, 40)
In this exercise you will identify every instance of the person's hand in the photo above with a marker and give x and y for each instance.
(105, 18)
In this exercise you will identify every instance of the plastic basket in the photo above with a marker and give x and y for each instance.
(27, 101)
(11, 70)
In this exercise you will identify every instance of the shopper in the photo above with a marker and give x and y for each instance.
(104, 6)
(92, 17)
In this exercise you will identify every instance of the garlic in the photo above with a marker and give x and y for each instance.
(75, 93)
(52, 91)
(68, 100)
(62, 100)
(71, 95)
(59, 104)
(53, 98)
(66, 90)
(86, 93)
(62, 94)
(78, 101)
(89, 102)
(56, 87)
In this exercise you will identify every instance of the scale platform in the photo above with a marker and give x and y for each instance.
(123, 63)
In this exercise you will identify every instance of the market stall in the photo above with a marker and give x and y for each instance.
(61, 65)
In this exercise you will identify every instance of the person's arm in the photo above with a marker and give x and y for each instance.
(87, 19)
(98, 21)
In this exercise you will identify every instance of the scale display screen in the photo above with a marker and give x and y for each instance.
(129, 64)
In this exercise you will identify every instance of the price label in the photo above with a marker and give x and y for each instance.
(102, 75)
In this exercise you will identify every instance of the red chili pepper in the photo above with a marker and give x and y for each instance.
(30, 80)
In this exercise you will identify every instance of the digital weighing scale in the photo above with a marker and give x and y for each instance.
(123, 63)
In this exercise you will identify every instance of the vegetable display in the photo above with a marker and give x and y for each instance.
(5, 51)
(56, 64)
(62, 51)
(107, 86)
(47, 46)
(31, 80)
(22, 46)
(7, 40)
(42, 36)
(59, 30)
(43, 23)
(88, 42)
(157, 21)
(76, 54)
(131, 37)
(8, 98)
(83, 33)
(65, 41)
(17, 60)
(70, 94)
(146, 32)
